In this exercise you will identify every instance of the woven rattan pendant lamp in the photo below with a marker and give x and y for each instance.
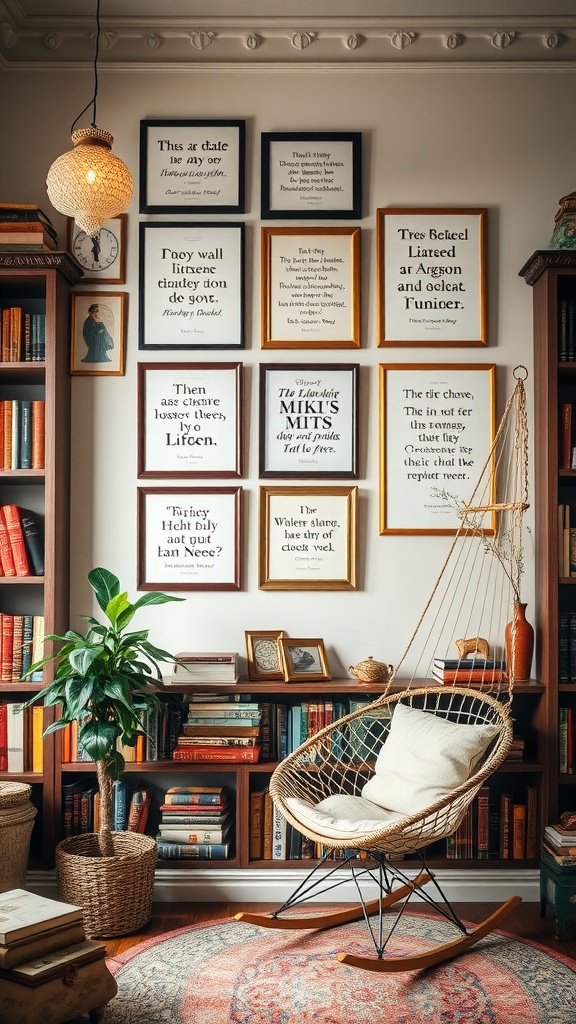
(90, 183)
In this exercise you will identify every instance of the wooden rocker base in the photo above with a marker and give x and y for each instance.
(435, 956)
(336, 917)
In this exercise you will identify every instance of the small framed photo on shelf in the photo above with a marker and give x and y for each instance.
(310, 287)
(191, 166)
(263, 654)
(431, 266)
(189, 419)
(303, 660)
(309, 420)
(311, 174)
(191, 285)
(307, 538)
(437, 426)
(189, 538)
(98, 343)
(102, 256)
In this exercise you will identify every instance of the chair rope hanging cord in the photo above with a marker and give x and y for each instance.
(358, 786)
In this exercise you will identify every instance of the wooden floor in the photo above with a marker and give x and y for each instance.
(525, 922)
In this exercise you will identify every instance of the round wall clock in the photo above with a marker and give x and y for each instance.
(98, 252)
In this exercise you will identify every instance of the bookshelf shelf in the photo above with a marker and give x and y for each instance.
(41, 283)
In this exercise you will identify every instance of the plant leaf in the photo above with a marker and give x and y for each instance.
(97, 738)
(155, 597)
(105, 586)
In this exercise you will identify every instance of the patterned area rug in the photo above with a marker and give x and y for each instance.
(233, 973)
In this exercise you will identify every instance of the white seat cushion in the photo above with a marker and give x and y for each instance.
(341, 816)
(424, 758)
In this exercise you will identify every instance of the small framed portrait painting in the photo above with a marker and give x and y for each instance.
(98, 333)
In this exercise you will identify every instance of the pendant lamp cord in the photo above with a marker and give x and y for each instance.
(92, 102)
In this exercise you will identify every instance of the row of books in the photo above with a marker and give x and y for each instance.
(81, 807)
(22, 336)
(461, 671)
(566, 741)
(22, 434)
(566, 330)
(25, 228)
(21, 542)
(162, 727)
(21, 744)
(497, 825)
(567, 647)
(205, 667)
(196, 822)
(21, 645)
(566, 542)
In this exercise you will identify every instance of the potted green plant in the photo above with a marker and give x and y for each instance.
(106, 680)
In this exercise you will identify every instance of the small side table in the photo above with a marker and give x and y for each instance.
(558, 887)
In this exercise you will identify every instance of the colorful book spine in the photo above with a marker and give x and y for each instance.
(38, 434)
(207, 753)
(11, 516)
(26, 435)
(195, 851)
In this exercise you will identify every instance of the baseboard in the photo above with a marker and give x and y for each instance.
(251, 886)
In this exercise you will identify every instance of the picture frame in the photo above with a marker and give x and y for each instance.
(196, 299)
(189, 538)
(309, 420)
(103, 259)
(263, 654)
(437, 426)
(98, 342)
(307, 538)
(304, 660)
(310, 287)
(192, 165)
(311, 174)
(432, 277)
(190, 420)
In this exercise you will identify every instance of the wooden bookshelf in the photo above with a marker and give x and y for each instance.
(41, 281)
(552, 276)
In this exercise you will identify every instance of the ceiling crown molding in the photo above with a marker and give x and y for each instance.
(165, 41)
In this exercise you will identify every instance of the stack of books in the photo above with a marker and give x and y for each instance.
(220, 731)
(25, 228)
(32, 926)
(195, 822)
(560, 844)
(461, 671)
(211, 667)
(21, 542)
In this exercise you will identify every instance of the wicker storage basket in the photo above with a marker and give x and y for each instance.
(115, 893)
(17, 814)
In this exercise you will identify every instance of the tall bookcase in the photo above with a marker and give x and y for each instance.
(40, 283)
(552, 275)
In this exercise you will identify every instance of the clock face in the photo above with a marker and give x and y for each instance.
(97, 253)
(266, 655)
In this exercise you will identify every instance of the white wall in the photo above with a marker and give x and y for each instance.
(495, 138)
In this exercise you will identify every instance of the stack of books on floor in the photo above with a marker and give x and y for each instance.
(25, 228)
(219, 731)
(462, 671)
(196, 823)
(560, 844)
(210, 667)
(43, 946)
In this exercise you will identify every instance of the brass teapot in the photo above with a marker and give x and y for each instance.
(371, 671)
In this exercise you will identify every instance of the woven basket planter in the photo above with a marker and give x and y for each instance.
(17, 814)
(115, 893)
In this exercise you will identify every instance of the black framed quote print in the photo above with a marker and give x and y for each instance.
(309, 420)
(191, 290)
(192, 166)
(311, 175)
(189, 419)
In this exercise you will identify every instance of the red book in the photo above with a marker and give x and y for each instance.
(566, 436)
(6, 556)
(470, 675)
(519, 831)
(11, 517)
(250, 754)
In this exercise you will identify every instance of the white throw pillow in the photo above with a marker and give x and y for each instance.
(424, 758)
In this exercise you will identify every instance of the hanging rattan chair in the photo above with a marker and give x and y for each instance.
(400, 774)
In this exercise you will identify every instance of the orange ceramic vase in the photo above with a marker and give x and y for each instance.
(519, 639)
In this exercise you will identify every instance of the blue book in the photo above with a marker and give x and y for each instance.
(195, 851)
(119, 805)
